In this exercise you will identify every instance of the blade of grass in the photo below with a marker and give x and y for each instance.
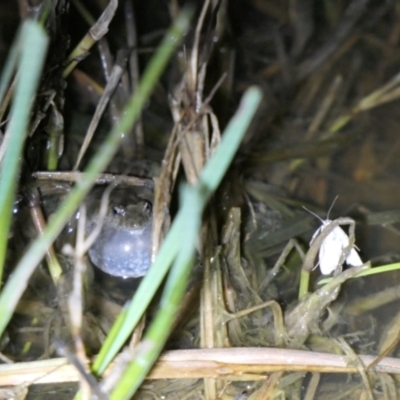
(158, 333)
(186, 227)
(371, 271)
(209, 180)
(32, 43)
(18, 281)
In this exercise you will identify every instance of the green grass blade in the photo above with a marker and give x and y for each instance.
(212, 174)
(32, 43)
(216, 168)
(371, 271)
(126, 322)
(185, 230)
(193, 205)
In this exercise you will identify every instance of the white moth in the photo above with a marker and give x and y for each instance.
(332, 248)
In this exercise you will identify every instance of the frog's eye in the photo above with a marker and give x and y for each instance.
(118, 211)
(147, 206)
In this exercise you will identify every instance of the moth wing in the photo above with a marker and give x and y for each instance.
(340, 236)
(354, 258)
(330, 252)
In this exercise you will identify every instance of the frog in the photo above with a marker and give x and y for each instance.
(123, 246)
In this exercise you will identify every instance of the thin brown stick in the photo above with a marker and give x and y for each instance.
(229, 363)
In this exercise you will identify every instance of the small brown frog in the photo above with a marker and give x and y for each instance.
(123, 247)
